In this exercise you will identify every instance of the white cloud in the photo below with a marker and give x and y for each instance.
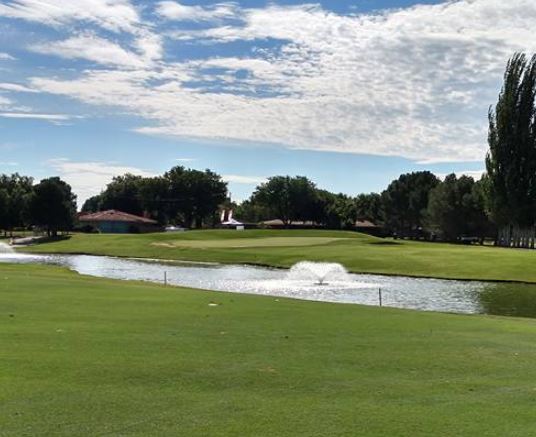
(90, 178)
(185, 159)
(9, 163)
(176, 11)
(6, 86)
(475, 174)
(240, 179)
(6, 57)
(93, 48)
(413, 82)
(114, 15)
(5, 103)
(34, 116)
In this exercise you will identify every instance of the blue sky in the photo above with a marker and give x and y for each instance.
(350, 94)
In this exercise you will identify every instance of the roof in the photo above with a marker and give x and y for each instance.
(113, 215)
(279, 222)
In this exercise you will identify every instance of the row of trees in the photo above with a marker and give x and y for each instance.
(180, 196)
(413, 205)
(49, 205)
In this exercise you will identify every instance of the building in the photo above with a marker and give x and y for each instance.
(368, 227)
(118, 222)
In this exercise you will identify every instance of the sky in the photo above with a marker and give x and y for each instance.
(348, 93)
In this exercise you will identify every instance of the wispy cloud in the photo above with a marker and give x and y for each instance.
(29, 115)
(88, 178)
(92, 48)
(475, 174)
(240, 179)
(176, 11)
(15, 87)
(6, 57)
(114, 15)
(186, 159)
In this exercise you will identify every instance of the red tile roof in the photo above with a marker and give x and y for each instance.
(113, 215)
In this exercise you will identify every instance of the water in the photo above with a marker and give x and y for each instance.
(304, 283)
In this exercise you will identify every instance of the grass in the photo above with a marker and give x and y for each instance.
(88, 356)
(358, 252)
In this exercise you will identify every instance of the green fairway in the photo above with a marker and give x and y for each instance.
(87, 356)
(357, 252)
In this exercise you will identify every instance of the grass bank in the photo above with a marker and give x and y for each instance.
(87, 356)
(358, 252)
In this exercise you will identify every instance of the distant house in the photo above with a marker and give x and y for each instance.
(118, 222)
(367, 227)
(279, 224)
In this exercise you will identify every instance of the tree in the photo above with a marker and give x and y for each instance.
(93, 204)
(17, 190)
(123, 194)
(251, 212)
(369, 207)
(194, 196)
(53, 206)
(405, 201)
(4, 206)
(455, 208)
(287, 198)
(511, 159)
(335, 211)
(153, 194)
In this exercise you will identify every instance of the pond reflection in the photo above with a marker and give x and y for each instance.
(508, 299)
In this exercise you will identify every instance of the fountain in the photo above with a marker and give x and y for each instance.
(319, 272)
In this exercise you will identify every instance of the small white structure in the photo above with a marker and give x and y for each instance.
(228, 221)
(174, 229)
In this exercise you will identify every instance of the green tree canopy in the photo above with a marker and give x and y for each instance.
(455, 209)
(93, 204)
(123, 194)
(369, 207)
(287, 198)
(405, 201)
(53, 205)
(17, 190)
(194, 196)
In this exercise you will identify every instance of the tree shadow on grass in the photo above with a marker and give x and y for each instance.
(386, 243)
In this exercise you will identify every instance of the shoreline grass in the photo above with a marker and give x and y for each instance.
(88, 356)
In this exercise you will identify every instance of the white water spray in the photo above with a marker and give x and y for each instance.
(318, 272)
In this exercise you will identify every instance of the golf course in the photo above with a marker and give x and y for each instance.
(88, 356)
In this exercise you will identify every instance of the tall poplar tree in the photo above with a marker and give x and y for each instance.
(511, 159)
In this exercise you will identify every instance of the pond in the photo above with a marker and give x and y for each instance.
(510, 299)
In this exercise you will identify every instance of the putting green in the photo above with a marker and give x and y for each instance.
(237, 243)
